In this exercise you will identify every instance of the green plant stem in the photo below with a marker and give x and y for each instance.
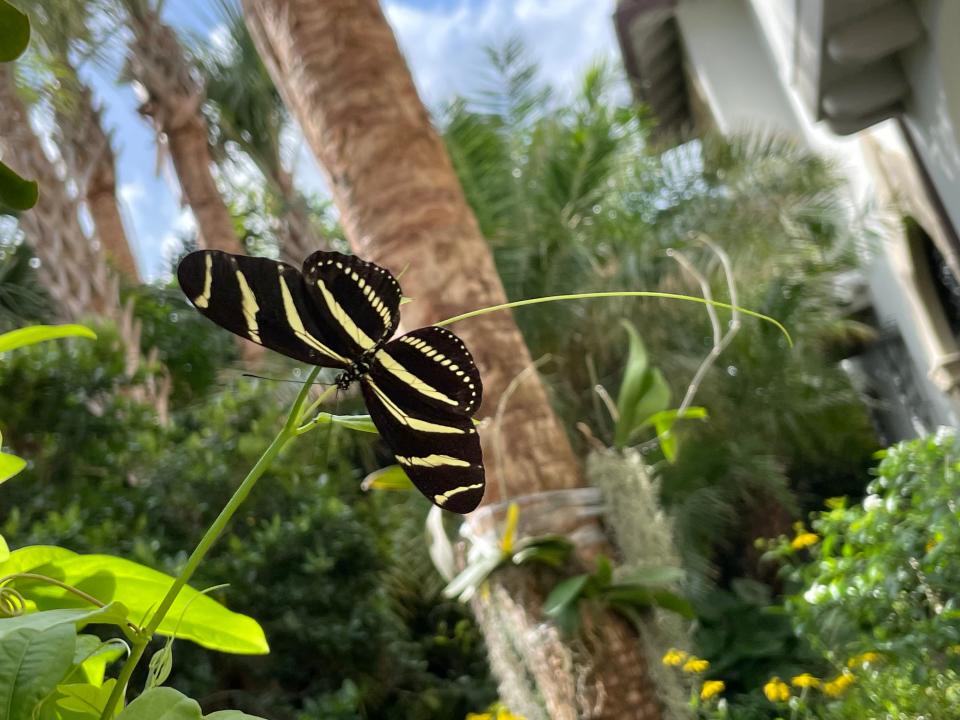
(286, 434)
(618, 293)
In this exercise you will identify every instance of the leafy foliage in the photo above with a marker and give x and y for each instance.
(16, 194)
(573, 199)
(881, 578)
(307, 556)
(871, 598)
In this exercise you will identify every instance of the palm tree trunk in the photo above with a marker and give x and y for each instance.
(341, 73)
(159, 65)
(71, 266)
(90, 161)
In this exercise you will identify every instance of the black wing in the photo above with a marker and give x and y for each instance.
(421, 391)
(361, 300)
(265, 301)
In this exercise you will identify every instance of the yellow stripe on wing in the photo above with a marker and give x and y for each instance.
(441, 499)
(296, 323)
(408, 378)
(250, 307)
(342, 317)
(432, 461)
(410, 421)
(203, 300)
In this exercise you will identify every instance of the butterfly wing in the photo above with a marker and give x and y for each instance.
(421, 391)
(265, 301)
(358, 298)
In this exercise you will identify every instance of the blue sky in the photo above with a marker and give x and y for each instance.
(443, 41)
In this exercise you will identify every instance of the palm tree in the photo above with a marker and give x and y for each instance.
(172, 97)
(72, 267)
(338, 67)
(248, 113)
(65, 29)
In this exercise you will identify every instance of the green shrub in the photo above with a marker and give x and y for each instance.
(875, 586)
(309, 555)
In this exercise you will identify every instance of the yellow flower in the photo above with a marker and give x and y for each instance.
(674, 657)
(776, 690)
(696, 665)
(504, 714)
(479, 716)
(806, 680)
(835, 687)
(711, 688)
(804, 540)
(863, 659)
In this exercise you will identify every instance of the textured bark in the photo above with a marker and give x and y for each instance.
(72, 267)
(339, 69)
(603, 673)
(174, 96)
(90, 161)
(341, 73)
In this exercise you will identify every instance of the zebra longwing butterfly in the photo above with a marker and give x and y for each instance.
(341, 312)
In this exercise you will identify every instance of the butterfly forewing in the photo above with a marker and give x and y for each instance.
(360, 299)
(421, 391)
(264, 301)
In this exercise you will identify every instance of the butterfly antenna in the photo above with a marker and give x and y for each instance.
(286, 380)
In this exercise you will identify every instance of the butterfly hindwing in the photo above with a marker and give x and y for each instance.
(359, 298)
(421, 391)
(429, 370)
(264, 301)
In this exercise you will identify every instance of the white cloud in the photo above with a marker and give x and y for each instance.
(131, 193)
(220, 40)
(444, 47)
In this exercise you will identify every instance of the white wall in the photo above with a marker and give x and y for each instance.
(741, 52)
(733, 66)
(933, 110)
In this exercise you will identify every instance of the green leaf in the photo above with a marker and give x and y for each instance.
(631, 387)
(14, 32)
(603, 575)
(33, 556)
(564, 595)
(31, 665)
(359, 423)
(391, 477)
(84, 700)
(656, 397)
(165, 703)
(107, 578)
(640, 596)
(162, 703)
(10, 465)
(4, 549)
(92, 657)
(696, 412)
(671, 601)
(41, 333)
(112, 614)
(16, 193)
(552, 550)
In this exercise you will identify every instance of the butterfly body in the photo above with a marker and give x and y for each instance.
(341, 312)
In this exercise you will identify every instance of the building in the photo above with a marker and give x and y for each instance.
(872, 83)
